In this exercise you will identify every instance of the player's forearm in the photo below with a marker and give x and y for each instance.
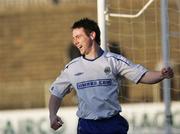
(152, 77)
(54, 104)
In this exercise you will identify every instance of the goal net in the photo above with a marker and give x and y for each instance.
(136, 34)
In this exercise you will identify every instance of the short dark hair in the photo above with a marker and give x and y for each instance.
(89, 26)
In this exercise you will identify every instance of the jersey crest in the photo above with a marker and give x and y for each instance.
(107, 70)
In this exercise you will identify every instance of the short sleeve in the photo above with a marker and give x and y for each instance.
(61, 86)
(129, 70)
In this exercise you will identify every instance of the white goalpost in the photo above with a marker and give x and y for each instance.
(165, 52)
(102, 22)
(103, 14)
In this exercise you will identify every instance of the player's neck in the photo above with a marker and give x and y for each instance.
(95, 52)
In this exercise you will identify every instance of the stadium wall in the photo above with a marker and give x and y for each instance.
(35, 43)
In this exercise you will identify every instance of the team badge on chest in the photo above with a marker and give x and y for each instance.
(107, 70)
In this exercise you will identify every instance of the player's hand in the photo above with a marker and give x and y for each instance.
(167, 73)
(55, 122)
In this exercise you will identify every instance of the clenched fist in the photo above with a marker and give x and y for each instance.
(167, 73)
(55, 122)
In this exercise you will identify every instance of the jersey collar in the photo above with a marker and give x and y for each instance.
(100, 54)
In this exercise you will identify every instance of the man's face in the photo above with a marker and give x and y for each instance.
(81, 40)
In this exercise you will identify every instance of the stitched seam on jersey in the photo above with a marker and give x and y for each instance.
(119, 59)
(70, 63)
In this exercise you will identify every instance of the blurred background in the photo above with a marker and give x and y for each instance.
(36, 44)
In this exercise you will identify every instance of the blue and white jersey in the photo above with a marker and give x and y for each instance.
(96, 83)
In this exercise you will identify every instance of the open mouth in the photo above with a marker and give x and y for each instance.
(80, 47)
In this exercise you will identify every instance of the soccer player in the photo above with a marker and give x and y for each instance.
(94, 76)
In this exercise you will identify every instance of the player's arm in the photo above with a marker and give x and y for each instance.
(152, 77)
(54, 105)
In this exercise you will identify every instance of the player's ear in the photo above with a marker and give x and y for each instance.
(92, 35)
